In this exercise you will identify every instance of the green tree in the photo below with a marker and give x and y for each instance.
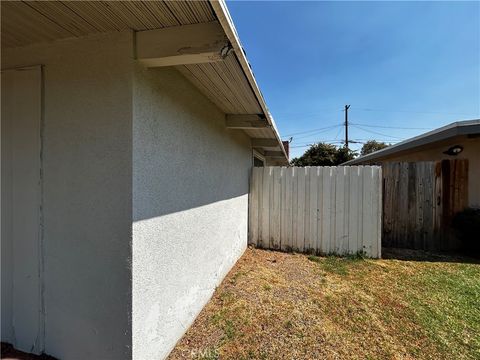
(344, 155)
(323, 154)
(372, 146)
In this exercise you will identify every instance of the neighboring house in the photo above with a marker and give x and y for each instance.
(127, 139)
(459, 140)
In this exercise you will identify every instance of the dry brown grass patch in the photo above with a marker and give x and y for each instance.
(275, 305)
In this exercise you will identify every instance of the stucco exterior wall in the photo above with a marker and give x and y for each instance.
(87, 201)
(144, 203)
(190, 203)
(471, 151)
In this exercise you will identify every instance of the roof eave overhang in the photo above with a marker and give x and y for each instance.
(465, 128)
(205, 48)
(223, 15)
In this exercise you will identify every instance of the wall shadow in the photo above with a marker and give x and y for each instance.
(429, 256)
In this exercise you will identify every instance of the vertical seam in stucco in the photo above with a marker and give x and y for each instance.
(134, 42)
(41, 263)
(132, 134)
(10, 190)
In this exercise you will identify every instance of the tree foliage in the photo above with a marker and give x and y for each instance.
(323, 154)
(372, 146)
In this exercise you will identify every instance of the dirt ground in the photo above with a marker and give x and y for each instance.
(273, 305)
(276, 305)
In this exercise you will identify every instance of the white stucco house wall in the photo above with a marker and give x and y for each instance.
(128, 132)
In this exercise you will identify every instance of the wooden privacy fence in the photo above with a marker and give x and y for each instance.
(419, 202)
(319, 210)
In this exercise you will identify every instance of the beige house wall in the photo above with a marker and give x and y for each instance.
(434, 152)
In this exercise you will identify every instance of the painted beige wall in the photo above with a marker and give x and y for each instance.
(471, 151)
(190, 206)
(87, 193)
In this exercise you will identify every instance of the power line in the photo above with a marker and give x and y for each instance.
(311, 134)
(412, 112)
(382, 140)
(364, 141)
(319, 141)
(354, 141)
(338, 133)
(309, 145)
(309, 114)
(391, 127)
(312, 130)
(286, 116)
(300, 146)
(376, 133)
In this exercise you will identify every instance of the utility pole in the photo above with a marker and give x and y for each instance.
(346, 125)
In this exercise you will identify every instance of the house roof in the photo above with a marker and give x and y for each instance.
(229, 83)
(459, 128)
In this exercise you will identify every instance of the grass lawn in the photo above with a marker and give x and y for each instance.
(274, 305)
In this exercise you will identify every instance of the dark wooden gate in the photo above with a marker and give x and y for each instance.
(419, 202)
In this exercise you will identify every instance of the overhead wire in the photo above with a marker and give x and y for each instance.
(312, 130)
(316, 142)
(319, 130)
(311, 134)
(338, 133)
(390, 127)
(360, 126)
(310, 114)
(376, 133)
(411, 111)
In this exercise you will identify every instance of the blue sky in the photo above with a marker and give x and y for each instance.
(398, 64)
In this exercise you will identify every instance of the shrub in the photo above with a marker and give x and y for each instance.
(467, 228)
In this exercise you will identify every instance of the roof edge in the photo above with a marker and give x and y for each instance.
(223, 15)
(457, 128)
